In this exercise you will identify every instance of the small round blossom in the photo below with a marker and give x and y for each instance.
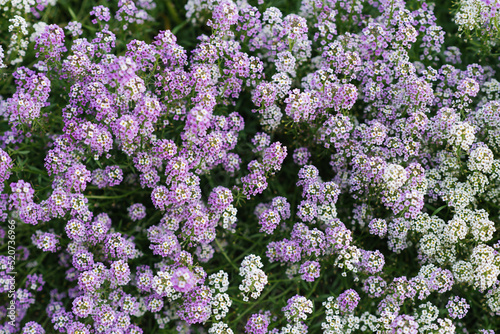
(5, 165)
(254, 278)
(282, 206)
(183, 280)
(285, 62)
(254, 183)
(374, 286)
(301, 156)
(426, 313)
(480, 159)
(46, 241)
(196, 307)
(162, 284)
(457, 307)
(114, 175)
(204, 252)
(297, 308)
(273, 157)
(404, 324)
(257, 324)
(269, 220)
(394, 177)
(456, 230)
(220, 328)
(219, 281)
(220, 199)
(310, 270)
(462, 135)
(378, 227)
(83, 306)
(34, 282)
(120, 272)
(101, 13)
(220, 305)
(32, 327)
(463, 272)
(89, 281)
(74, 28)
(253, 283)
(83, 260)
(348, 300)
(136, 211)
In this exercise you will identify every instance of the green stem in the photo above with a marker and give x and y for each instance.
(313, 288)
(225, 255)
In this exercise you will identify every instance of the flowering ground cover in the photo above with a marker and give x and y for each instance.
(315, 166)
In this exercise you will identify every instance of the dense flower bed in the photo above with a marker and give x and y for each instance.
(250, 167)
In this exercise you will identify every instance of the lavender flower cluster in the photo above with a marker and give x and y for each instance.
(330, 169)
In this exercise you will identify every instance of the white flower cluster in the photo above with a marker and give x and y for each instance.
(296, 328)
(461, 135)
(348, 259)
(463, 272)
(455, 230)
(228, 218)
(439, 242)
(18, 39)
(485, 262)
(426, 313)
(493, 300)
(394, 177)
(491, 90)
(480, 159)
(472, 14)
(2, 65)
(271, 117)
(459, 195)
(444, 326)
(481, 227)
(218, 281)
(220, 328)
(194, 9)
(254, 278)
(461, 187)
(220, 305)
(335, 323)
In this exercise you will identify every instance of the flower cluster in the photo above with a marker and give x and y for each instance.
(254, 278)
(137, 172)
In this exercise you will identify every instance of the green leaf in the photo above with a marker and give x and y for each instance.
(438, 210)
(72, 13)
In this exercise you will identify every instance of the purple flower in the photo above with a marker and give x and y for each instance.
(310, 270)
(83, 260)
(219, 199)
(183, 280)
(297, 308)
(32, 327)
(257, 324)
(404, 324)
(269, 220)
(136, 211)
(457, 307)
(83, 306)
(348, 300)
